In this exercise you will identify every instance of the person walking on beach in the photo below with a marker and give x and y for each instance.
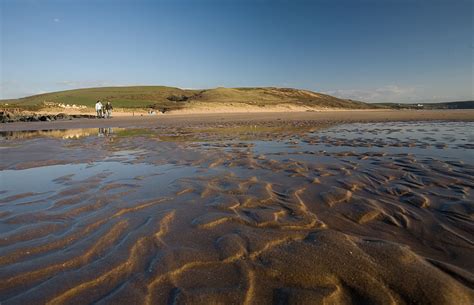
(108, 110)
(98, 109)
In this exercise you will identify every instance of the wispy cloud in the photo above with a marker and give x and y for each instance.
(388, 93)
(57, 20)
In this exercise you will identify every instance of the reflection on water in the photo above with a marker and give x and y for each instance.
(105, 132)
(437, 139)
(60, 134)
(260, 214)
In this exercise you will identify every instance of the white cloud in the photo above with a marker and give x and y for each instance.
(56, 20)
(388, 93)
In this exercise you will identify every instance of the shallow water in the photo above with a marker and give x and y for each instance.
(355, 213)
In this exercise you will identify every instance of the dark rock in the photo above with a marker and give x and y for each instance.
(63, 116)
(82, 116)
(8, 117)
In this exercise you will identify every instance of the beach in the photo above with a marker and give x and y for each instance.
(236, 152)
(330, 207)
(198, 119)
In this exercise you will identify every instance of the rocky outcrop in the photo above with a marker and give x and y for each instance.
(10, 117)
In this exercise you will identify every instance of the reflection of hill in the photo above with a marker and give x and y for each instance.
(61, 133)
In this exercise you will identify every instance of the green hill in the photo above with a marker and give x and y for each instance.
(170, 98)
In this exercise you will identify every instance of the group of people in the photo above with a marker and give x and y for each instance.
(103, 111)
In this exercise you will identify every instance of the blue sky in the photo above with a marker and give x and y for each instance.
(371, 50)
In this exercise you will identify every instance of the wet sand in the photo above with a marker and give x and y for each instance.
(301, 210)
(183, 120)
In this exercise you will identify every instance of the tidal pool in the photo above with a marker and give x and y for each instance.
(263, 214)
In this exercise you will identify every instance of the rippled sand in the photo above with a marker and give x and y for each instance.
(243, 214)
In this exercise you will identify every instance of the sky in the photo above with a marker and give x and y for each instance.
(401, 51)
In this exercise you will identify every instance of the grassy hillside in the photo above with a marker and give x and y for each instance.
(169, 98)
(129, 97)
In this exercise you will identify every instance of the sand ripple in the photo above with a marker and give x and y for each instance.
(307, 218)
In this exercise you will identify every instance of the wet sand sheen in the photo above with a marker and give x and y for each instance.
(353, 214)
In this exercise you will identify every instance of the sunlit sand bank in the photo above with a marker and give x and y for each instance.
(214, 119)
